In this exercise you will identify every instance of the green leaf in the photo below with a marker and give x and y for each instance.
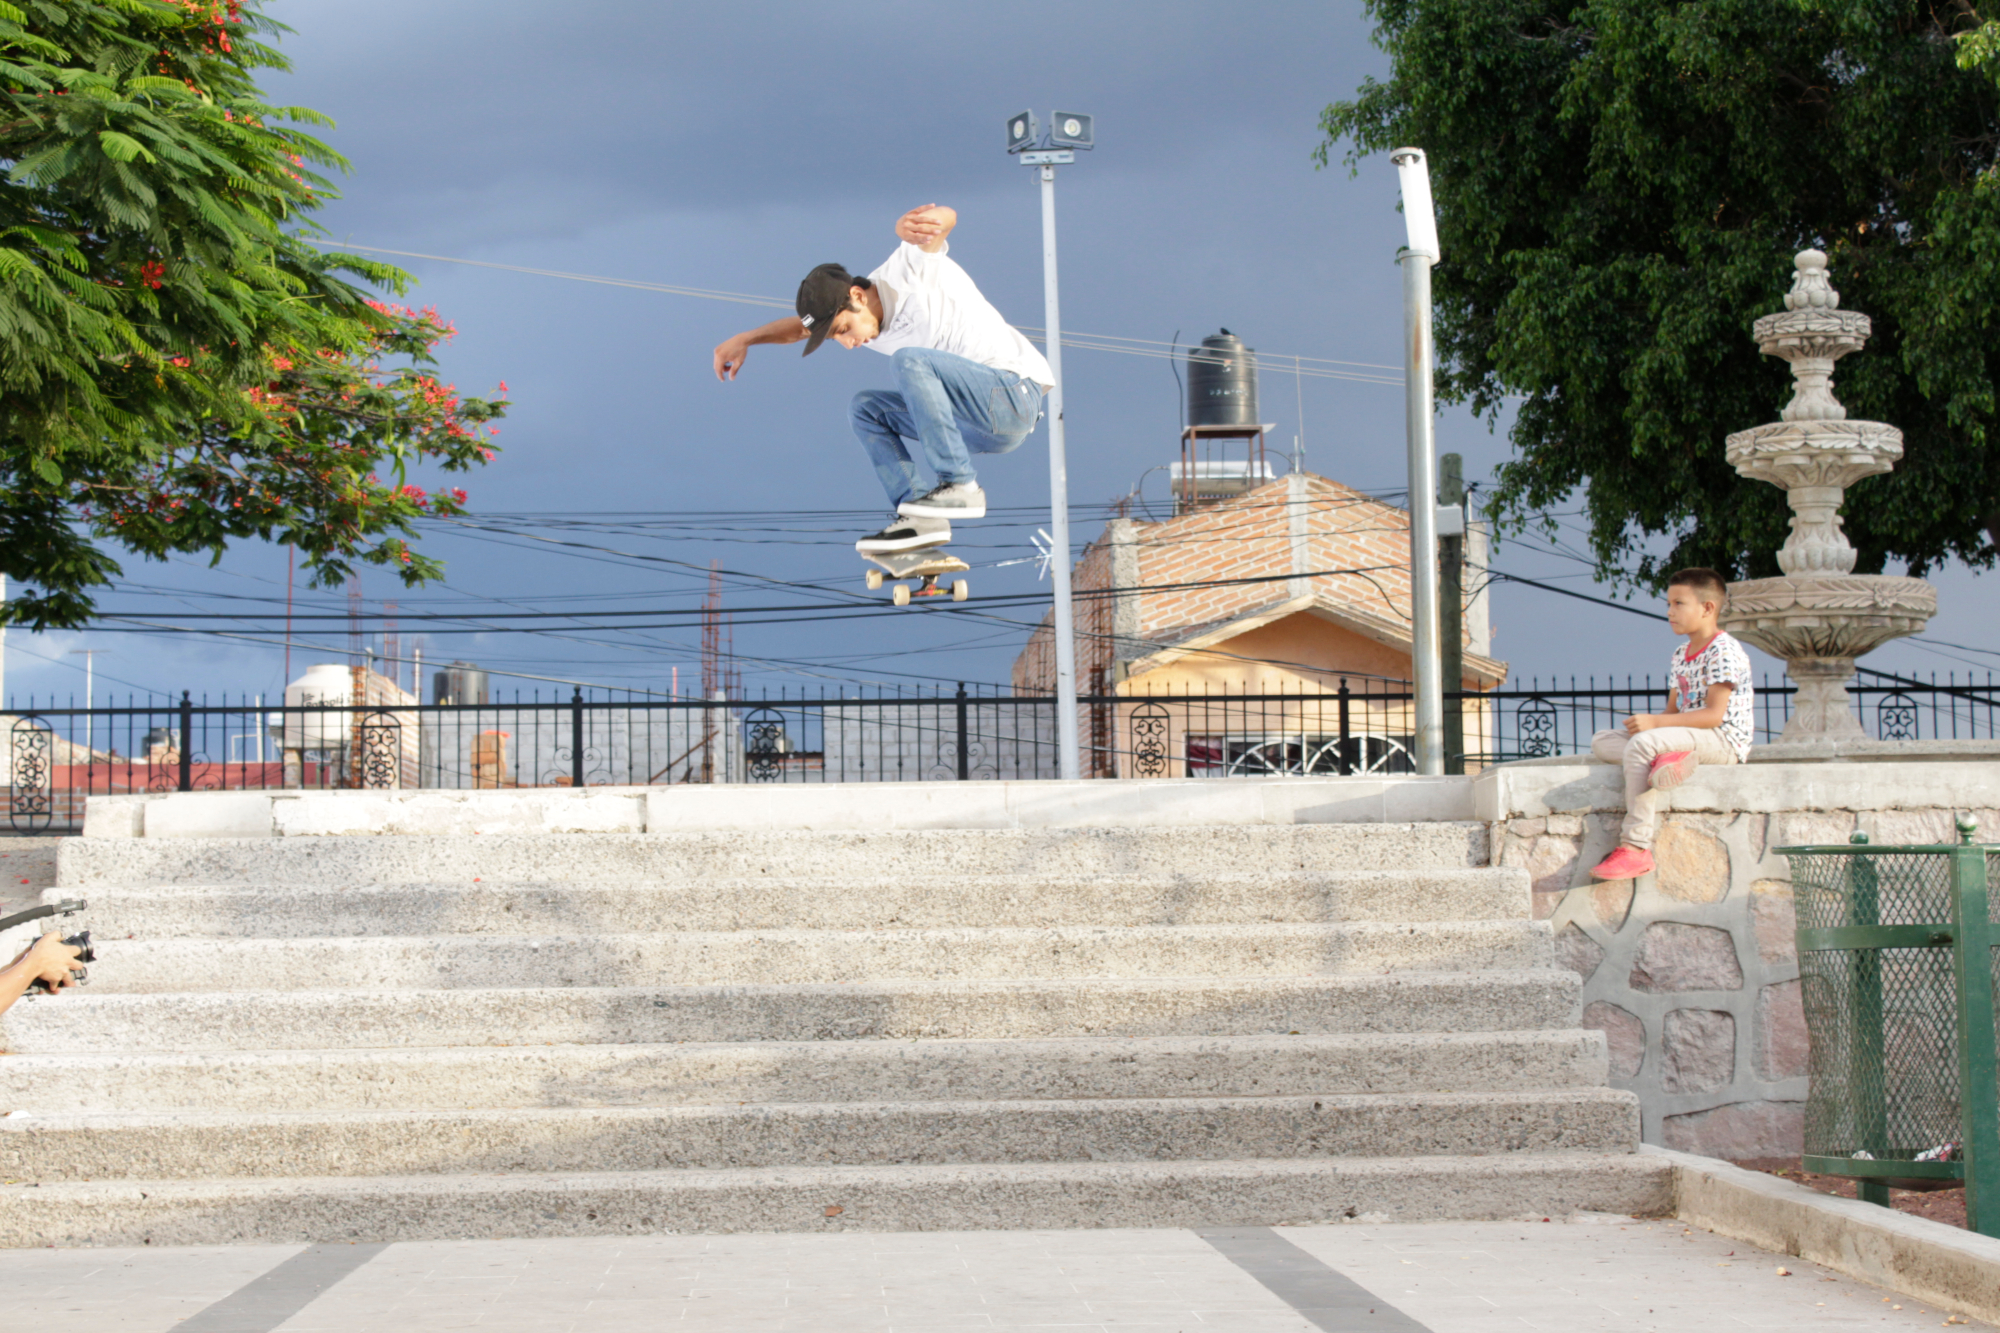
(123, 147)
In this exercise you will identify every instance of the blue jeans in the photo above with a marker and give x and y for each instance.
(953, 407)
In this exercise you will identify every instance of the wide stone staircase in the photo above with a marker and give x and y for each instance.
(408, 1037)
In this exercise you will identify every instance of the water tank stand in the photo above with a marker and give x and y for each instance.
(1187, 491)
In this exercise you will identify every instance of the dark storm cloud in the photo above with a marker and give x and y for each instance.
(492, 114)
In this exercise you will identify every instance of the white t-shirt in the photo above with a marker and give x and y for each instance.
(929, 301)
(1723, 662)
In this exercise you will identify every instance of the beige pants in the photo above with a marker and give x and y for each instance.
(1637, 753)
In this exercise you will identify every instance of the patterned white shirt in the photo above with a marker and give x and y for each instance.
(1723, 662)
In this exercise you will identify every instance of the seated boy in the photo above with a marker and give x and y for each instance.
(1708, 719)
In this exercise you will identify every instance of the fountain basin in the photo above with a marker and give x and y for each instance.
(1827, 616)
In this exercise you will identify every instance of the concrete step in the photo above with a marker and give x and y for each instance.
(1520, 999)
(1185, 850)
(872, 1198)
(464, 907)
(194, 1146)
(834, 1071)
(819, 956)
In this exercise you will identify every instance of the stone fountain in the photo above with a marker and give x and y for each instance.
(1820, 615)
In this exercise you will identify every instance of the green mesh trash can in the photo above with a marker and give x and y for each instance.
(1897, 973)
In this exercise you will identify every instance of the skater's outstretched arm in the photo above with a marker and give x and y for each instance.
(927, 227)
(730, 354)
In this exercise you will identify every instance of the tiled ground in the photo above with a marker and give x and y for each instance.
(1453, 1278)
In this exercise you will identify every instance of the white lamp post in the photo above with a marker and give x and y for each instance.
(1068, 131)
(89, 656)
(1419, 408)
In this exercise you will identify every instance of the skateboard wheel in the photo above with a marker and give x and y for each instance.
(960, 590)
(902, 594)
(874, 577)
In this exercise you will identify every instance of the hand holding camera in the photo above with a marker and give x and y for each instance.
(51, 962)
(56, 961)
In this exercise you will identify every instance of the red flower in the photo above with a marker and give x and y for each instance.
(152, 272)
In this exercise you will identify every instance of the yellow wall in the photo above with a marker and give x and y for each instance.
(1301, 654)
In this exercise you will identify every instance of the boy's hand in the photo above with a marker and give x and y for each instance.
(1639, 722)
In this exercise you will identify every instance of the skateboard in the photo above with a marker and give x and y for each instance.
(899, 567)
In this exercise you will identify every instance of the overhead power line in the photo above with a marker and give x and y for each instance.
(1090, 342)
(856, 602)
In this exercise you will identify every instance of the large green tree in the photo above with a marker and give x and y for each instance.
(180, 366)
(1621, 185)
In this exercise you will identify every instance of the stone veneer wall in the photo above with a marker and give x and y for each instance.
(1691, 971)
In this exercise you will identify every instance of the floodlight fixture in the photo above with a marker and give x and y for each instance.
(1023, 131)
(1070, 129)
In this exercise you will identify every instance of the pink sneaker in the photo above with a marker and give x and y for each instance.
(1670, 770)
(1625, 863)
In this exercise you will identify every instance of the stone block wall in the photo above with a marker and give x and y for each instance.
(1691, 971)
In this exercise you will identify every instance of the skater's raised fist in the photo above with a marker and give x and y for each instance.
(926, 227)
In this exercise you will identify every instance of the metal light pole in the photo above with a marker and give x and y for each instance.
(1419, 408)
(1068, 130)
(89, 656)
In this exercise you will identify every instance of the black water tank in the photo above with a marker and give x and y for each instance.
(1222, 382)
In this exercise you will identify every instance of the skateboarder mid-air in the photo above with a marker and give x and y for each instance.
(967, 382)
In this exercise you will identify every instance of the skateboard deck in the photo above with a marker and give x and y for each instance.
(925, 566)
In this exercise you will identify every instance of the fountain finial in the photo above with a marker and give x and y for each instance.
(1811, 288)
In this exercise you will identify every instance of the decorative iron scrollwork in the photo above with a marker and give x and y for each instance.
(379, 762)
(979, 765)
(1535, 728)
(1150, 725)
(33, 755)
(1896, 718)
(764, 744)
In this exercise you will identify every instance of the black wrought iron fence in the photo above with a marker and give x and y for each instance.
(57, 757)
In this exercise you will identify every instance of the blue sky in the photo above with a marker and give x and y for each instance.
(732, 148)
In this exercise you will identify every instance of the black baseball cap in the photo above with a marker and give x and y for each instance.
(823, 295)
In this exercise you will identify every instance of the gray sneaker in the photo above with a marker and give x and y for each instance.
(906, 534)
(952, 500)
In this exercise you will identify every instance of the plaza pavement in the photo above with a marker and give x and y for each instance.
(1578, 1276)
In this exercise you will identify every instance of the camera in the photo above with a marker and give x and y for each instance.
(78, 975)
(80, 940)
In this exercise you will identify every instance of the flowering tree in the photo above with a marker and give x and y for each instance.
(179, 366)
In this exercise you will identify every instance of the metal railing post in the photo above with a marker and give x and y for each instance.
(1865, 1002)
(576, 739)
(187, 742)
(964, 761)
(1346, 764)
(1972, 963)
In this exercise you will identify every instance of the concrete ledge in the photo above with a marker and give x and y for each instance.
(1579, 786)
(849, 807)
(1951, 1269)
(1088, 804)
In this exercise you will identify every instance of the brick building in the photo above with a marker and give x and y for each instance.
(1291, 588)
